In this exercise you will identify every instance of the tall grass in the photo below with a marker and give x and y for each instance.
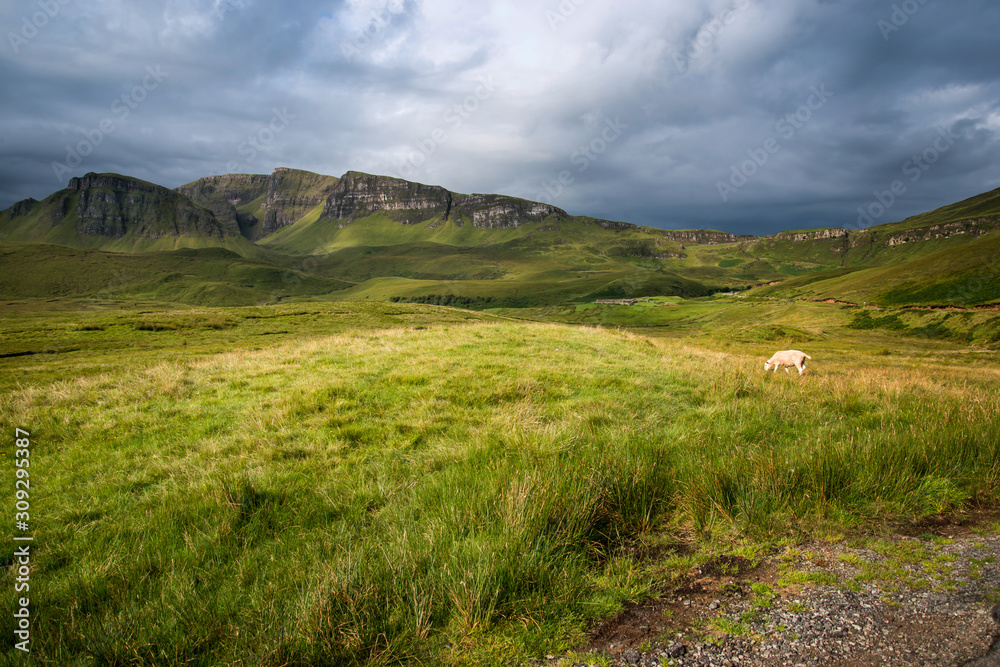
(365, 498)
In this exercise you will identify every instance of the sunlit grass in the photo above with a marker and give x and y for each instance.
(458, 492)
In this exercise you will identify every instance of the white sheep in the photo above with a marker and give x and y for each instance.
(787, 358)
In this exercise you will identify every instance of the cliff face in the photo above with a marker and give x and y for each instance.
(500, 212)
(704, 236)
(973, 228)
(261, 204)
(233, 189)
(222, 194)
(114, 206)
(817, 235)
(291, 194)
(357, 195)
(22, 207)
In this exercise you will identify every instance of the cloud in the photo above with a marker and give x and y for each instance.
(517, 98)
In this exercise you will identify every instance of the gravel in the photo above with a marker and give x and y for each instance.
(899, 601)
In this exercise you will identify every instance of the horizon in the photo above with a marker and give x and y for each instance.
(441, 185)
(743, 116)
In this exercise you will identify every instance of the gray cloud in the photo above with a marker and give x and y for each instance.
(519, 99)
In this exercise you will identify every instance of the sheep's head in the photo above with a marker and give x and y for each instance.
(767, 365)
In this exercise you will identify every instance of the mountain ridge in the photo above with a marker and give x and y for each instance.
(411, 238)
(257, 206)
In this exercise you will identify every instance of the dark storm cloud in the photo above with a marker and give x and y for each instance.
(745, 115)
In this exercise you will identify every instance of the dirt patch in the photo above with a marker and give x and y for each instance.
(920, 596)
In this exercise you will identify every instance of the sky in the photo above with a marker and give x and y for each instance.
(748, 116)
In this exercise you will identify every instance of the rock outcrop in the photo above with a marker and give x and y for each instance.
(814, 235)
(502, 212)
(704, 236)
(22, 207)
(973, 228)
(115, 206)
(291, 194)
(277, 200)
(358, 195)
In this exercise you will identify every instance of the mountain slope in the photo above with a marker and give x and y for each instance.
(381, 237)
(967, 275)
(262, 204)
(119, 213)
(206, 276)
(985, 205)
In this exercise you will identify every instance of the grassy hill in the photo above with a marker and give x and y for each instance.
(965, 275)
(986, 205)
(363, 236)
(119, 214)
(206, 276)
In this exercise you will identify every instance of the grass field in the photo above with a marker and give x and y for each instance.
(371, 483)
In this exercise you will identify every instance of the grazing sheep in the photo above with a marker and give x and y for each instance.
(787, 358)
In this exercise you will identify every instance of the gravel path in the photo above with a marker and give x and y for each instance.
(903, 601)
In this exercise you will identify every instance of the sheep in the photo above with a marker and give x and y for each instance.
(787, 358)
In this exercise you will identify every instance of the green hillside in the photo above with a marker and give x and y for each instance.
(964, 275)
(119, 214)
(364, 236)
(986, 205)
(205, 276)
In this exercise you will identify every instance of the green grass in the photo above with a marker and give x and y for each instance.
(985, 205)
(84, 339)
(362, 483)
(966, 274)
(203, 277)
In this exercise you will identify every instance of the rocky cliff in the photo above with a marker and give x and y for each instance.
(357, 195)
(292, 194)
(815, 235)
(22, 207)
(502, 212)
(261, 204)
(972, 227)
(223, 194)
(116, 206)
(704, 236)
